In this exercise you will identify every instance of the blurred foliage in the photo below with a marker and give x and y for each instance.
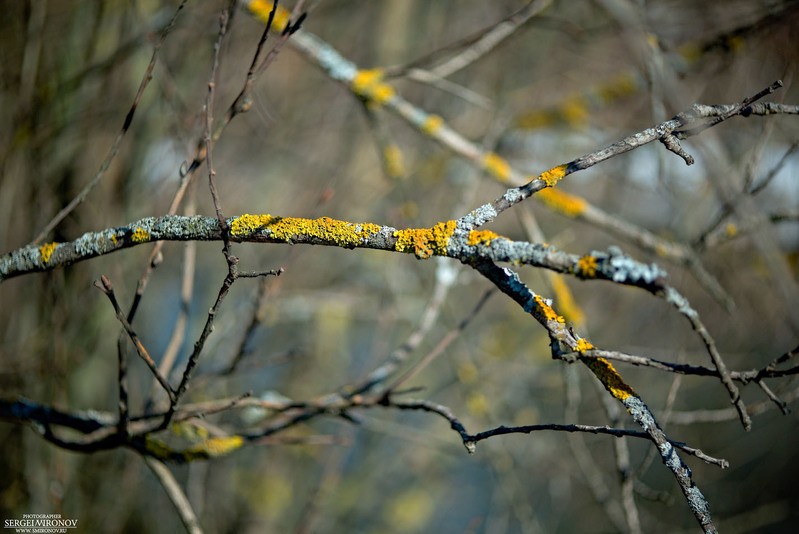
(68, 73)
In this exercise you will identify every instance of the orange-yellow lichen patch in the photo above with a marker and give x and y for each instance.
(569, 205)
(731, 230)
(369, 84)
(553, 175)
(341, 233)
(425, 242)
(583, 345)
(566, 303)
(262, 8)
(497, 166)
(431, 124)
(586, 266)
(47, 250)
(140, 235)
(547, 311)
(481, 237)
(610, 378)
(247, 224)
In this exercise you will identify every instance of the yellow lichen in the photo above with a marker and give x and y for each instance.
(497, 166)
(369, 84)
(586, 266)
(566, 303)
(247, 224)
(731, 230)
(431, 124)
(157, 448)
(481, 237)
(341, 233)
(214, 447)
(553, 175)
(209, 448)
(547, 311)
(46, 251)
(140, 235)
(425, 242)
(610, 378)
(583, 345)
(569, 205)
(262, 8)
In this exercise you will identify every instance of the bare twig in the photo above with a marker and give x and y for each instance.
(106, 287)
(175, 493)
(470, 440)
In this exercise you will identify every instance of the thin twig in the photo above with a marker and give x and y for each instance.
(107, 288)
(175, 493)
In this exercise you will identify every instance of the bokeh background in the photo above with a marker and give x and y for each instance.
(68, 74)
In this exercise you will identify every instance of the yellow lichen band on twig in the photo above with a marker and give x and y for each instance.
(586, 266)
(209, 448)
(46, 251)
(547, 311)
(431, 124)
(553, 175)
(564, 203)
(369, 84)
(247, 224)
(481, 237)
(213, 447)
(262, 8)
(566, 303)
(606, 373)
(425, 242)
(140, 235)
(341, 233)
(497, 166)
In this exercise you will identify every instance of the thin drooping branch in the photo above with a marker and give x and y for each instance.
(470, 440)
